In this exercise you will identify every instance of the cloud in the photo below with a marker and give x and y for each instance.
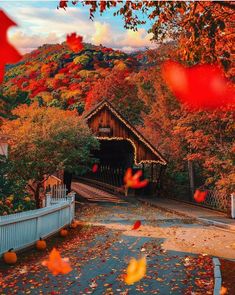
(27, 43)
(137, 39)
(102, 35)
(47, 25)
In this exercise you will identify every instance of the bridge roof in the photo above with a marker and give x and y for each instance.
(145, 152)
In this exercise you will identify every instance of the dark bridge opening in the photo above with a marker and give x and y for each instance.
(114, 157)
(115, 153)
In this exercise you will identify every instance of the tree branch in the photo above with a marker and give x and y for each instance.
(226, 4)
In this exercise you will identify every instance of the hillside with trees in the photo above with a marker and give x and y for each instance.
(56, 76)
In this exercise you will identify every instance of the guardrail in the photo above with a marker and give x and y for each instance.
(23, 229)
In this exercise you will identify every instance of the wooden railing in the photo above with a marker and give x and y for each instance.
(23, 229)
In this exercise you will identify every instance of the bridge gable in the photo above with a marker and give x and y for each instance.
(108, 124)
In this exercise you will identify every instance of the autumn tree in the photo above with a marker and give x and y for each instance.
(117, 88)
(45, 140)
(204, 29)
(9, 102)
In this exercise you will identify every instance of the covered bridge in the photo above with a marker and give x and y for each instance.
(121, 146)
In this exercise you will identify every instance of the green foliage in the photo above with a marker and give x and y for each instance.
(12, 190)
(8, 103)
(83, 59)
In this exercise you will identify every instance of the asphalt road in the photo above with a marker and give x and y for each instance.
(100, 249)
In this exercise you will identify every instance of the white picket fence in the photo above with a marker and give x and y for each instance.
(23, 229)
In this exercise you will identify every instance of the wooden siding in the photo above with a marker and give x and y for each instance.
(106, 117)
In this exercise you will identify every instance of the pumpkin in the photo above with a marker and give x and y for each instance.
(27, 199)
(41, 244)
(10, 257)
(74, 224)
(63, 233)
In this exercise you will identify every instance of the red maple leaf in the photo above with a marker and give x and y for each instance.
(74, 42)
(95, 168)
(137, 224)
(133, 181)
(200, 196)
(200, 87)
(8, 53)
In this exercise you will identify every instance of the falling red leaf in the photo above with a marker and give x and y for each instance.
(95, 168)
(63, 4)
(200, 196)
(200, 87)
(133, 181)
(74, 42)
(56, 264)
(137, 224)
(8, 53)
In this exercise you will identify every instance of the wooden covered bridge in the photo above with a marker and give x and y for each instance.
(121, 146)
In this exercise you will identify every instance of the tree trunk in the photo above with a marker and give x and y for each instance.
(68, 180)
(37, 196)
(191, 177)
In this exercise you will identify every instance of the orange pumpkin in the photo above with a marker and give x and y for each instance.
(74, 224)
(41, 244)
(10, 257)
(63, 232)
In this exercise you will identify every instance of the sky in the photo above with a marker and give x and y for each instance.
(40, 22)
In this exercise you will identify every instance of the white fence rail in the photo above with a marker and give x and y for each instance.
(24, 229)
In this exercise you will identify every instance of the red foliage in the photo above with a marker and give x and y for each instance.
(74, 42)
(71, 101)
(200, 87)
(8, 53)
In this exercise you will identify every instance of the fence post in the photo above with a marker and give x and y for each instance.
(48, 199)
(233, 205)
(71, 197)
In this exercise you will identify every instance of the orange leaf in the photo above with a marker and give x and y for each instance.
(74, 42)
(223, 291)
(136, 270)
(56, 264)
(133, 181)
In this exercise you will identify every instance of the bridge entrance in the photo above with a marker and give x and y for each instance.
(115, 153)
(121, 146)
